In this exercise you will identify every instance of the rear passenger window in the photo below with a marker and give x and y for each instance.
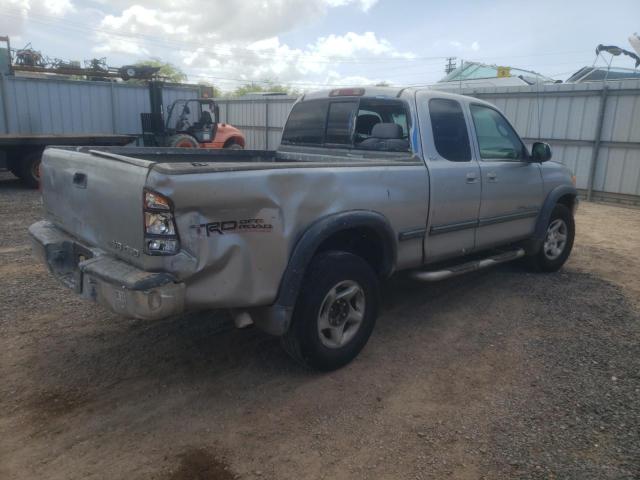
(449, 130)
(340, 122)
(306, 123)
(365, 123)
(384, 117)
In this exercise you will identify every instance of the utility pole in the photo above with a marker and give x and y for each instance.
(451, 65)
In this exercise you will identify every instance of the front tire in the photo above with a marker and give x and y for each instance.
(335, 312)
(558, 241)
(234, 146)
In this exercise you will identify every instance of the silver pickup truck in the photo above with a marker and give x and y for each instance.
(366, 182)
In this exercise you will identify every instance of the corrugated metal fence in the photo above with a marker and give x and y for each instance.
(595, 131)
(58, 106)
(260, 118)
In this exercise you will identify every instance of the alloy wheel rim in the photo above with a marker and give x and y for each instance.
(556, 239)
(341, 314)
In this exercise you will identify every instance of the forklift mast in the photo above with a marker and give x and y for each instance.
(155, 97)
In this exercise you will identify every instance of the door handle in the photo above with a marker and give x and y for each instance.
(491, 176)
(471, 177)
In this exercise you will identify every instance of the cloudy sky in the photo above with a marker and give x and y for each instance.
(324, 42)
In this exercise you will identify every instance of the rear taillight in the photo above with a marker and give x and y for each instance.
(160, 233)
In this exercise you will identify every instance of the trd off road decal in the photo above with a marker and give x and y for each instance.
(233, 226)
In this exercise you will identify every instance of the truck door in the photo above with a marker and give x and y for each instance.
(454, 178)
(511, 184)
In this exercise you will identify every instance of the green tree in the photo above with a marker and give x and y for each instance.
(270, 86)
(216, 91)
(169, 71)
(382, 84)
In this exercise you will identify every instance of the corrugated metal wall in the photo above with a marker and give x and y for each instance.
(564, 115)
(58, 106)
(261, 119)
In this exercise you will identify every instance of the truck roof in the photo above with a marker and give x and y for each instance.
(385, 92)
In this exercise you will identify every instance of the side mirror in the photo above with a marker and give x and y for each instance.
(540, 152)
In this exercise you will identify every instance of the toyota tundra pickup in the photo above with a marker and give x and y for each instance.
(366, 182)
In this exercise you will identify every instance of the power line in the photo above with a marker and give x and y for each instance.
(68, 24)
(249, 54)
(74, 26)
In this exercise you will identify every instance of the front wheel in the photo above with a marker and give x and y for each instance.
(335, 312)
(182, 141)
(558, 241)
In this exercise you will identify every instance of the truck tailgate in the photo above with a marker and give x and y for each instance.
(97, 199)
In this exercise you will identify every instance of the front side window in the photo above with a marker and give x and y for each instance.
(496, 139)
(306, 123)
(449, 130)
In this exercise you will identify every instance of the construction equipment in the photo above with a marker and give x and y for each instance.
(28, 59)
(189, 123)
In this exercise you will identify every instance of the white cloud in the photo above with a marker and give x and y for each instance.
(58, 7)
(216, 21)
(475, 46)
(365, 5)
(240, 42)
(221, 41)
(17, 12)
(270, 59)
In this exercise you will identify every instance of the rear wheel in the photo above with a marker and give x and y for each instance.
(13, 167)
(183, 141)
(234, 146)
(558, 241)
(29, 169)
(335, 312)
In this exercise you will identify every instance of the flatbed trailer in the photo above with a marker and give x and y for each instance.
(22, 152)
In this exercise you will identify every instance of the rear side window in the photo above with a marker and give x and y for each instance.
(340, 122)
(450, 133)
(349, 123)
(306, 123)
(374, 111)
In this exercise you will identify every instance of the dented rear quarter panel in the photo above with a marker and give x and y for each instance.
(244, 268)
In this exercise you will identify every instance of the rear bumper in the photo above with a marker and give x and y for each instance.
(98, 276)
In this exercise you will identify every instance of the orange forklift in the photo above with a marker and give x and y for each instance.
(189, 123)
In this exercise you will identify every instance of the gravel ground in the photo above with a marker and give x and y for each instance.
(498, 374)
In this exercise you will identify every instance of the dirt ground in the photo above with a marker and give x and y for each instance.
(498, 374)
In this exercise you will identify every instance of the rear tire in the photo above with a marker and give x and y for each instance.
(558, 242)
(13, 167)
(335, 312)
(29, 169)
(182, 141)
